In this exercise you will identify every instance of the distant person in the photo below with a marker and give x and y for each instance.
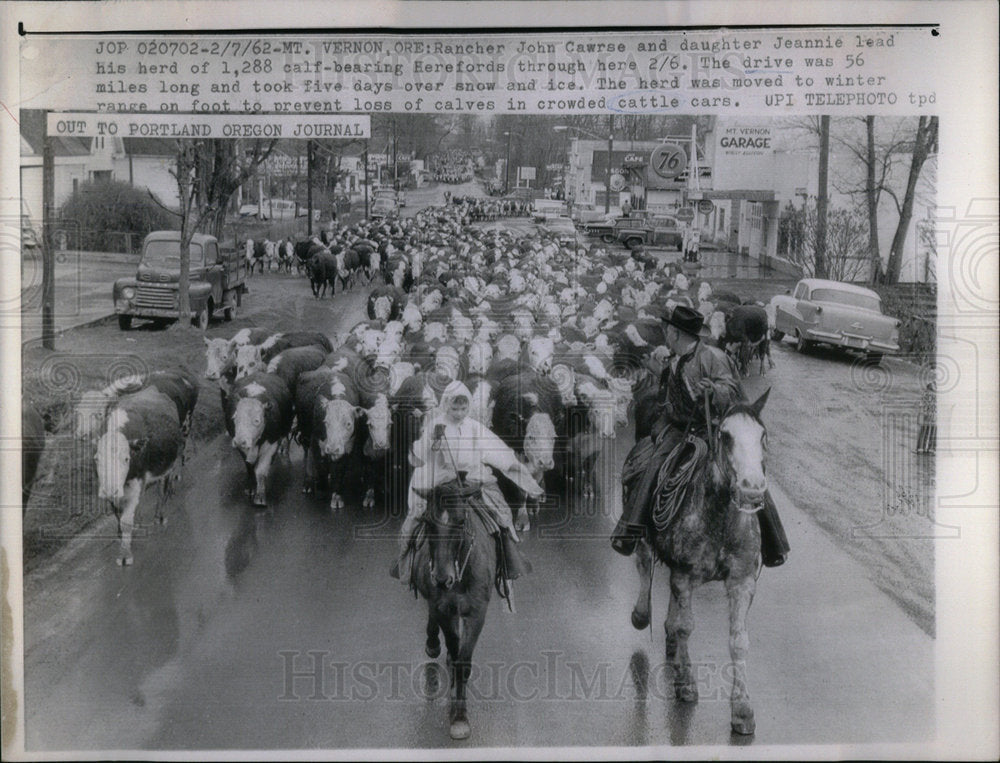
(927, 437)
(626, 208)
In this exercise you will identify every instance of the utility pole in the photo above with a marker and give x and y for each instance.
(607, 178)
(309, 187)
(366, 179)
(822, 196)
(48, 256)
(395, 165)
(506, 169)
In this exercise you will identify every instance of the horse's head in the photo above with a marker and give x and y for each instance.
(449, 532)
(740, 449)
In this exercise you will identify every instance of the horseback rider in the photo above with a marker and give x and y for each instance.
(699, 369)
(455, 445)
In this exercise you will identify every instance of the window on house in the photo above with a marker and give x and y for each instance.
(722, 218)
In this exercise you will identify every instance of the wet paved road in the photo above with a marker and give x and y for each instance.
(214, 638)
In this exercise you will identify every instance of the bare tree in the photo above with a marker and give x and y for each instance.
(208, 172)
(924, 144)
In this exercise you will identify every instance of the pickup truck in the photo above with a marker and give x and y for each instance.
(217, 281)
(649, 231)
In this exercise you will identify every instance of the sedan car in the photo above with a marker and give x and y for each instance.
(562, 228)
(835, 313)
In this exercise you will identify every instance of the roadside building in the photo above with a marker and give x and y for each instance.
(749, 173)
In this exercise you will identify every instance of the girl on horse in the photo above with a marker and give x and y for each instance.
(453, 445)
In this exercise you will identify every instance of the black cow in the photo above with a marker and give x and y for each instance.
(322, 270)
(747, 337)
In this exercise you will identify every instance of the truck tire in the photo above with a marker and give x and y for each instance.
(229, 311)
(201, 319)
(608, 238)
(124, 322)
(777, 336)
(632, 242)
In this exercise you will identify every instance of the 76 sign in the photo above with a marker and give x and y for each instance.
(668, 160)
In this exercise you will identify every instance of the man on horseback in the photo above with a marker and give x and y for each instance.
(700, 369)
(453, 445)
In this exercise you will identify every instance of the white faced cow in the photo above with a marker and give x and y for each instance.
(259, 416)
(141, 445)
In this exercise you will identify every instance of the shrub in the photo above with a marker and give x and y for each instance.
(112, 216)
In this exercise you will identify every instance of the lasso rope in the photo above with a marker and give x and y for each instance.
(675, 489)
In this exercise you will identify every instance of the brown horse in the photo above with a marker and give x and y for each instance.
(714, 535)
(455, 571)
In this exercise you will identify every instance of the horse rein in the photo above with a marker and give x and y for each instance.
(459, 569)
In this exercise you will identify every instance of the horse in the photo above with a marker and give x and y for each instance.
(454, 571)
(713, 534)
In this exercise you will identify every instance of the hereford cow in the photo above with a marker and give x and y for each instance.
(295, 361)
(258, 417)
(327, 409)
(180, 386)
(527, 409)
(142, 444)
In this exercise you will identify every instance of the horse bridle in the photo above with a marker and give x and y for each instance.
(453, 527)
(723, 464)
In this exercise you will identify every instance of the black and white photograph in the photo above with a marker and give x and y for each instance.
(532, 384)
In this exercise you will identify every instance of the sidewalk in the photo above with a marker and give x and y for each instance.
(83, 290)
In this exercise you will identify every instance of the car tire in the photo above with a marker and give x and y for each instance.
(802, 344)
(873, 358)
(632, 242)
(608, 238)
(229, 312)
(777, 336)
(124, 322)
(201, 319)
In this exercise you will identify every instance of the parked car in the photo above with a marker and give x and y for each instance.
(383, 207)
(650, 230)
(835, 313)
(562, 228)
(217, 281)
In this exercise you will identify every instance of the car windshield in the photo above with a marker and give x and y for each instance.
(166, 254)
(864, 301)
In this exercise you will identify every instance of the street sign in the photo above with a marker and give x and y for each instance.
(170, 125)
(705, 206)
(526, 173)
(668, 160)
(685, 214)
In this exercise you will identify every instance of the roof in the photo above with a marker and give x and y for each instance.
(150, 146)
(820, 283)
(32, 126)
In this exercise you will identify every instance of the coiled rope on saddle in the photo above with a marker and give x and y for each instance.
(676, 479)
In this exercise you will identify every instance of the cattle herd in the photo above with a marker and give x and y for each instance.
(554, 342)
